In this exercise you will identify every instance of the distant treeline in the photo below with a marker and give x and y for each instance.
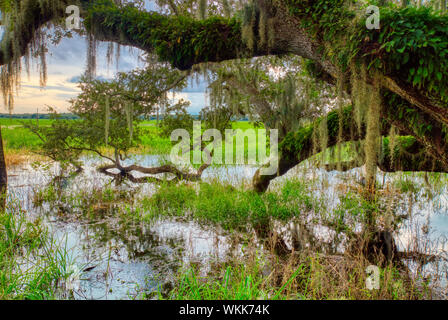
(61, 115)
(68, 116)
(36, 115)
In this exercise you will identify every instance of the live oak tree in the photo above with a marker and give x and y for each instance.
(395, 75)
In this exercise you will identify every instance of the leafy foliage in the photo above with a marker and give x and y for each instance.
(177, 117)
(412, 43)
(180, 40)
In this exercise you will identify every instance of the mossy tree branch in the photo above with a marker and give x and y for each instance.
(409, 153)
(298, 27)
(35, 14)
(184, 41)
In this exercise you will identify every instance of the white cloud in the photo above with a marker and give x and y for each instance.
(66, 62)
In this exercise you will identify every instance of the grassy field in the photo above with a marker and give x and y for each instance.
(19, 140)
(20, 143)
(5, 122)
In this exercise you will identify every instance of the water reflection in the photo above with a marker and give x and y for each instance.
(123, 258)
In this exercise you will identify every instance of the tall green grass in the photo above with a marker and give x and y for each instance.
(19, 122)
(32, 264)
(229, 207)
(20, 138)
(307, 276)
(233, 283)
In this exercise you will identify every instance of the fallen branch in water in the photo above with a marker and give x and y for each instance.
(125, 172)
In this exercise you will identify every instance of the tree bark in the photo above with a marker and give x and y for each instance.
(126, 172)
(298, 146)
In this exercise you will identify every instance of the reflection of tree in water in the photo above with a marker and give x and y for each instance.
(106, 225)
(143, 243)
(137, 238)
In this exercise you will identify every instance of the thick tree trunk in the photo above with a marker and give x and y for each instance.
(3, 175)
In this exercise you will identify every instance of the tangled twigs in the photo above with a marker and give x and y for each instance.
(125, 172)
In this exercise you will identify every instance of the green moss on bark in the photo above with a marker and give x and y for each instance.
(182, 41)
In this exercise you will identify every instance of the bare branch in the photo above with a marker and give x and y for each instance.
(178, 174)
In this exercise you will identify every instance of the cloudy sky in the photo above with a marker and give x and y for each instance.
(66, 62)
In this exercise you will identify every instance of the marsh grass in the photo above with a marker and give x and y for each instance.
(236, 283)
(15, 157)
(229, 207)
(407, 184)
(20, 138)
(308, 275)
(33, 265)
(91, 202)
(311, 273)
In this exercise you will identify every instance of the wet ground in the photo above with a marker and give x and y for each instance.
(122, 259)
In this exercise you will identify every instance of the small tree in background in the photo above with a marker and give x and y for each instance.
(110, 113)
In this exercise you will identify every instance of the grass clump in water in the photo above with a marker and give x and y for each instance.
(229, 207)
(32, 264)
(237, 283)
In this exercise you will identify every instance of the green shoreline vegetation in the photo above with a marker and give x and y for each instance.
(33, 265)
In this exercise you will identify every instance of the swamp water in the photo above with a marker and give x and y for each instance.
(114, 258)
